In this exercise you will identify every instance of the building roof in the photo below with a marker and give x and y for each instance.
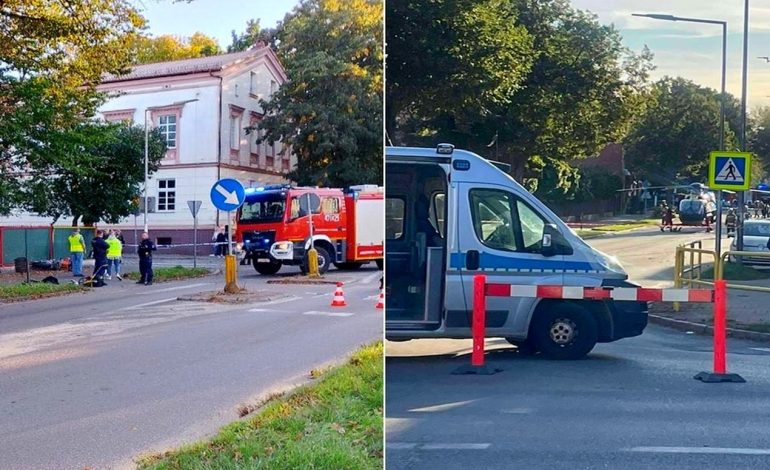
(186, 66)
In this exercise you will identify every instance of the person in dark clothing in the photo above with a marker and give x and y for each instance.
(99, 250)
(145, 249)
(221, 243)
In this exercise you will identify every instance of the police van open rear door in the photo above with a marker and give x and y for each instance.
(416, 241)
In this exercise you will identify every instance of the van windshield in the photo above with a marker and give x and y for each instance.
(262, 208)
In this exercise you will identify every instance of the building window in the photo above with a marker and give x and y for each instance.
(167, 127)
(273, 87)
(120, 115)
(166, 195)
(253, 84)
(285, 163)
(235, 132)
(236, 120)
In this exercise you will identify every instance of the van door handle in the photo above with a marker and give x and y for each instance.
(472, 260)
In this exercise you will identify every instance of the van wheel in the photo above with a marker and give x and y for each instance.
(324, 261)
(565, 331)
(525, 348)
(267, 269)
(379, 263)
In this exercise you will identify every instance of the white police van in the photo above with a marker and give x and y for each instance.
(451, 214)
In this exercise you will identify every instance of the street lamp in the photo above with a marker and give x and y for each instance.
(147, 148)
(664, 17)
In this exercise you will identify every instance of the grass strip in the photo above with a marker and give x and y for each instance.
(737, 272)
(171, 274)
(335, 423)
(16, 292)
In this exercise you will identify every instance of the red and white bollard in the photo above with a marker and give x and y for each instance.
(720, 340)
(478, 325)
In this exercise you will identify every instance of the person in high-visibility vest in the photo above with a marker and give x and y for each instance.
(114, 256)
(77, 251)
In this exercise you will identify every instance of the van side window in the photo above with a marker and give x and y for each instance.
(532, 226)
(504, 222)
(492, 213)
(437, 211)
(394, 218)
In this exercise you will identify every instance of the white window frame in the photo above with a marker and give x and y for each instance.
(165, 193)
(165, 129)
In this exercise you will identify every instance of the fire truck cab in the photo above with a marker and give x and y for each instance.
(275, 225)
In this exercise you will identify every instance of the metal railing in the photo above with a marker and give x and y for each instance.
(689, 267)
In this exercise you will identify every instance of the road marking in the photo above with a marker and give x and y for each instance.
(328, 314)
(761, 349)
(517, 411)
(401, 445)
(147, 304)
(167, 289)
(372, 297)
(444, 407)
(700, 450)
(262, 310)
(281, 301)
(370, 278)
(439, 445)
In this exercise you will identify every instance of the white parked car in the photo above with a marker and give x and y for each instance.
(756, 236)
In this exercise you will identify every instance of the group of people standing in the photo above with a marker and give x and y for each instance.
(107, 250)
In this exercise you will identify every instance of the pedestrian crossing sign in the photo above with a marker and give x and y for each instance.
(730, 170)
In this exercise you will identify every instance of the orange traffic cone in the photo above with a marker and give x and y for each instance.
(339, 297)
(381, 300)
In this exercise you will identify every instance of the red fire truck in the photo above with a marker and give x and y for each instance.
(275, 222)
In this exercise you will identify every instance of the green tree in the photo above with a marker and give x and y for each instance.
(253, 34)
(92, 173)
(451, 61)
(675, 134)
(759, 137)
(52, 56)
(167, 47)
(578, 87)
(329, 113)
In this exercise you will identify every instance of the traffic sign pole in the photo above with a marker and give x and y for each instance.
(228, 195)
(729, 170)
(718, 227)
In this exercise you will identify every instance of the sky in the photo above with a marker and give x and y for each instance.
(694, 51)
(689, 50)
(215, 18)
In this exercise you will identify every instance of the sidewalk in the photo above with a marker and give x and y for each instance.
(748, 315)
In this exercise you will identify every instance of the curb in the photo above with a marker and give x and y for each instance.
(706, 330)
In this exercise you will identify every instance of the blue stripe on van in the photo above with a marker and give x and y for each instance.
(491, 261)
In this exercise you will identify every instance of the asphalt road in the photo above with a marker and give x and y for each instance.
(95, 380)
(631, 405)
(648, 254)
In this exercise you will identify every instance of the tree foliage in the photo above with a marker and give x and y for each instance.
(759, 137)
(329, 113)
(53, 53)
(572, 87)
(73, 42)
(675, 134)
(93, 173)
(166, 47)
(253, 34)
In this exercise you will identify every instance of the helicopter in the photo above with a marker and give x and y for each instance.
(697, 206)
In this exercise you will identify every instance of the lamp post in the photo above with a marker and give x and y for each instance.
(655, 16)
(147, 149)
(744, 77)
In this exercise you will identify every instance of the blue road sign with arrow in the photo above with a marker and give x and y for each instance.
(227, 194)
